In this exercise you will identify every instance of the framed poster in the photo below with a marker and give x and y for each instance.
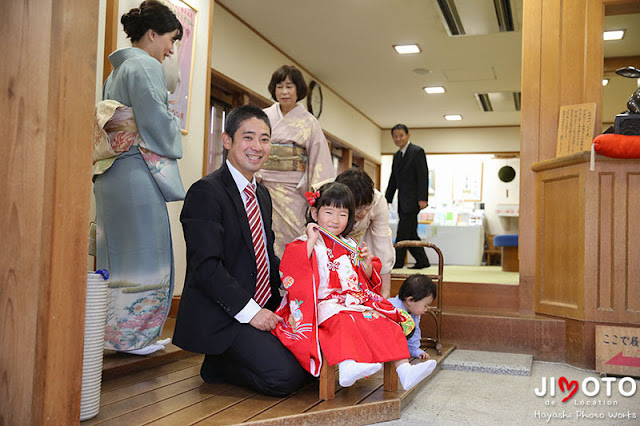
(179, 100)
(467, 182)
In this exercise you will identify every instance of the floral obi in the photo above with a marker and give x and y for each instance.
(115, 131)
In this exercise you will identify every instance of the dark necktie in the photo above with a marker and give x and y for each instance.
(263, 289)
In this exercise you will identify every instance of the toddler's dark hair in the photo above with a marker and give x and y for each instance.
(335, 194)
(418, 287)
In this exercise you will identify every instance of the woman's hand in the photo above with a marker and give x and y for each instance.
(312, 236)
(367, 257)
(424, 355)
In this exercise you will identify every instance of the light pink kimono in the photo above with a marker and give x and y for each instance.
(299, 159)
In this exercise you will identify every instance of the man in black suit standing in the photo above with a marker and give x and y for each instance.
(232, 279)
(410, 176)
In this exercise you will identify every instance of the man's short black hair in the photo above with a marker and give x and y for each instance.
(400, 127)
(241, 114)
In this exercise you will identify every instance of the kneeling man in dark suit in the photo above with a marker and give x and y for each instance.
(232, 280)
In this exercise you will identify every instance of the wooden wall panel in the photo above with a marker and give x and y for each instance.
(560, 278)
(632, 282)
(603, 249)
(50, 85)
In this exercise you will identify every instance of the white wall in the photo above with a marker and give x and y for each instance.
(457, 140)
(494, 191)
(241, 54)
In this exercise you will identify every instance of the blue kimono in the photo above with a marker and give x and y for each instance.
(133, 237)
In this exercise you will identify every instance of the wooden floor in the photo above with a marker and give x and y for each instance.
(174, 394)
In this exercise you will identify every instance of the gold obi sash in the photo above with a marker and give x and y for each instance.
(287, 158)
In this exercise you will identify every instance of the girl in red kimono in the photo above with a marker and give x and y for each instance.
(333, 300)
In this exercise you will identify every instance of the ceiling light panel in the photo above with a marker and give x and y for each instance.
(434, 89)
(407, 49)
(614, 35)
(453, 117)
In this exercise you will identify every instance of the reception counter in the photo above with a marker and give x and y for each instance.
(460, 245)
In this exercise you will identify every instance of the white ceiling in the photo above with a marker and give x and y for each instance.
(347, 46)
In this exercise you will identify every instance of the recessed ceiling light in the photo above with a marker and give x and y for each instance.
(406, 49)
(434, 89)
(605, 81)
(453, 117)
(614, 35)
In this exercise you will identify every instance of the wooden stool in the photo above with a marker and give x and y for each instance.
(435, 313)
(328, 379)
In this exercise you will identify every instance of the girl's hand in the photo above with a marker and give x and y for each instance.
(312, 236)
(367, 257)
(424, 355)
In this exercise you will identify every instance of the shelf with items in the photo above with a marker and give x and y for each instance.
(508, 210)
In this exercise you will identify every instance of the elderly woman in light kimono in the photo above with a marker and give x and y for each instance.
(299, 159)
(137, 142)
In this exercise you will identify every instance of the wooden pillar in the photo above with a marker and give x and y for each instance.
(48, 78)
(561, 64)
(560, 199)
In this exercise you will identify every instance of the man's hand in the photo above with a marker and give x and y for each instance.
(422, 204)
(265, 320)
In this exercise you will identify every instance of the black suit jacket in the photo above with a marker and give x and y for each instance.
(221, 265)
(410, 176)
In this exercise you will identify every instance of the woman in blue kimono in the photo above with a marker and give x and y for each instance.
(136, 145)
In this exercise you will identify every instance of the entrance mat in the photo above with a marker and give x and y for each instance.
(488, 362)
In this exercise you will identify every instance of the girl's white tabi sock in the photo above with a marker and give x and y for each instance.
(158, 346)
(351, 371)
(411, 375)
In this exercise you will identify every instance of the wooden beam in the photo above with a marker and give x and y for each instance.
(621, 7)
(110, 36)
(207, 98)
(612, 64)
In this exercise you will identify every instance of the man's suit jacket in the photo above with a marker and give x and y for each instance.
(221, 265)
(410, 176)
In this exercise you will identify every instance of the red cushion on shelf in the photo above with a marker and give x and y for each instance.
(617, 146)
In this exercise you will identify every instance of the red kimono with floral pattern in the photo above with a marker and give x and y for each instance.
(331, 305)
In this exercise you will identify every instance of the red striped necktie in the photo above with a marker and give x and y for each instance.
(263, 289)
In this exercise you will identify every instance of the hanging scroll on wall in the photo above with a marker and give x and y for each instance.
(179, 100)
(576, 128)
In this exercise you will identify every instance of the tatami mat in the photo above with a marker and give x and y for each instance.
(469, 274)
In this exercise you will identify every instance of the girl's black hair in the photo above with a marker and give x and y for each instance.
(335, 194)
(417, 287)
(151, 14)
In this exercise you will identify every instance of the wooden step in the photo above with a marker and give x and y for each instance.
(174, 393)
(538, 335)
